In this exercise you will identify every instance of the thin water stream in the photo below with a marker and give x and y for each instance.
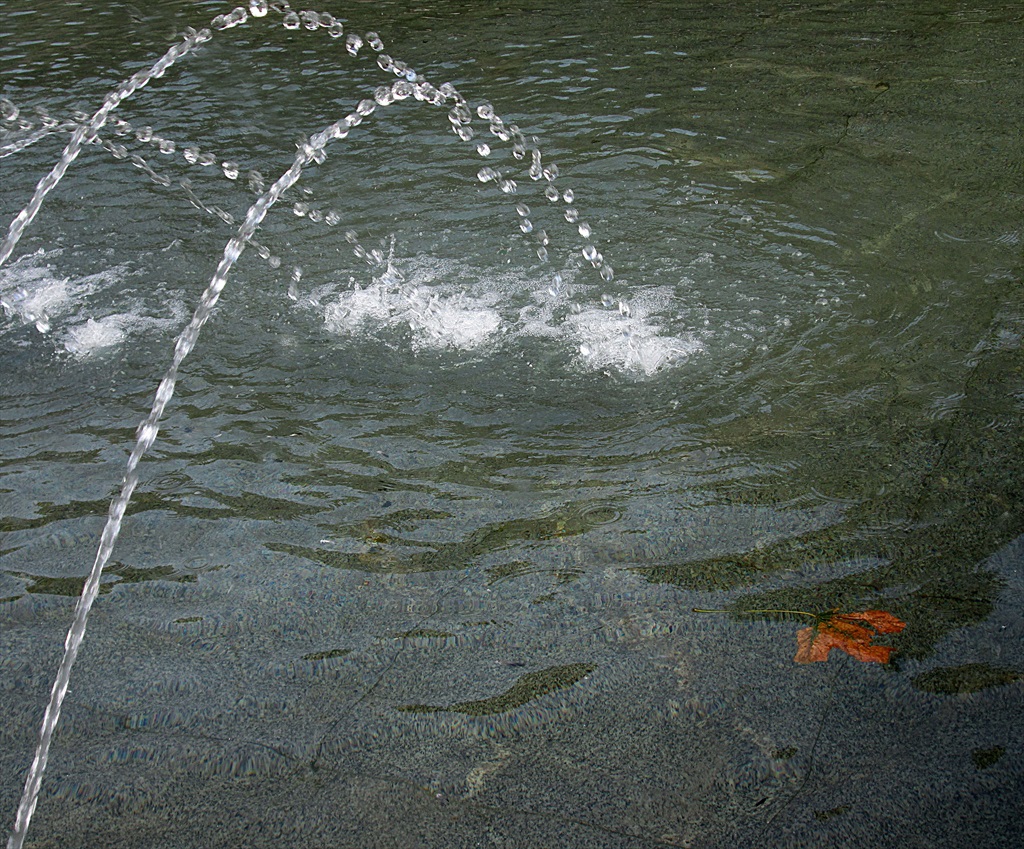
(414, 557)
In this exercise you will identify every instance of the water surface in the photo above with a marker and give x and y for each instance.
(414, 559)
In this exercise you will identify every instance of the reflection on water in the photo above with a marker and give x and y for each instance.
(414, 558)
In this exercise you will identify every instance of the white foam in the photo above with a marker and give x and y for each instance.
(93, 336)
(33, 294)
(447, 305)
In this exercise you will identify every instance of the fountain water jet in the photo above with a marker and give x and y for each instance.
(410, 84)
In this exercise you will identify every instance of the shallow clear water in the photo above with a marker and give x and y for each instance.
(414, 559)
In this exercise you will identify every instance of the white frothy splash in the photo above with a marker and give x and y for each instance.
(33, 293)
(446, 305)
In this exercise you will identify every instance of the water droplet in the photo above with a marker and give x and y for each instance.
(607, 273)
(572, 215)
(568, 196)
(316, 216)
(144, 134)
(258, 8)
(353, 119)
(584, 229)
(191, 155)
(352, 43)
(43, 324)
(382, 94)
(336, 30)
(256, 182)
(483, 149)
(526, 225)
(167, 146)
(624, 309)
(551, 193)
(274, 262)
(207, 159)
(551, 173)
(300, 209)
(509, 187)
(293, 291)
(542, 237)
(332, 218)
(485, 175)
(401, 89)
(542, 254)
(589, 253)
(607, 300)
(310, 19)
(374, 41)
(366, 107)
(465, 133)
(291, 20)
(230, 170)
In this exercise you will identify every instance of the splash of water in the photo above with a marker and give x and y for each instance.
(433, 314)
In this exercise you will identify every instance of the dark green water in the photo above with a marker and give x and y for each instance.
(413, 563)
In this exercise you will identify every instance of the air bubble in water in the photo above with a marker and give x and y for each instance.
(483, 149)
(230, 170)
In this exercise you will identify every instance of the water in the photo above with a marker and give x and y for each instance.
(391, 486)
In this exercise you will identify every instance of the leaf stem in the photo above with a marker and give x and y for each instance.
(751, 612)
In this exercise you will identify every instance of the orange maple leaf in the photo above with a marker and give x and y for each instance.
(851, 633)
